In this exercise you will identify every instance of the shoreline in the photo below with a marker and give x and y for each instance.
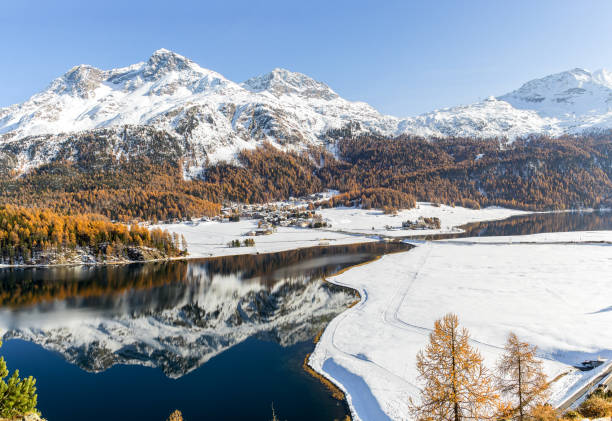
(184, 258)
(330, 361)
(358, 237)
(336, 388)
(353, 236)
(336, 391)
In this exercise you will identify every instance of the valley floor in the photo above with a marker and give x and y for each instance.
(551, 293)
(348, 225)
(211, 238)
(374, 221)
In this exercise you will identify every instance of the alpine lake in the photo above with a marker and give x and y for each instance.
(219, 339)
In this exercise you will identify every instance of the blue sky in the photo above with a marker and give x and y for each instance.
(402, 57)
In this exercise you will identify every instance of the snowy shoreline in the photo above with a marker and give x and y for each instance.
(368, 351)
(375, 222)
(348, 226)
(207, 239)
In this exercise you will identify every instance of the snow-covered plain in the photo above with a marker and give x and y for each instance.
(548, 237)
(349, 225)
(555, 296)
(374, 221)
(208, 239)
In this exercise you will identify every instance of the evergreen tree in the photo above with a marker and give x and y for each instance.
(17, 396)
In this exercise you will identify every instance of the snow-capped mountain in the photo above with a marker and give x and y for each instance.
(570, 102)
(214, 115)
(212, 118)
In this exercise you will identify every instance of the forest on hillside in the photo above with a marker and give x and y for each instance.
(26, 234)
(536, 173)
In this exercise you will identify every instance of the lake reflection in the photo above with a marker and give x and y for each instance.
(533, 224)
(176, 315)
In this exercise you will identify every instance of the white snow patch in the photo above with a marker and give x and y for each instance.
(554, 296)
(373, 221)
(549, 237)
(349, 226)
(207, 239)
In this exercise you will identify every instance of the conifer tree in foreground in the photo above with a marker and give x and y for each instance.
(457, 386)
(521, 378)
(17, 396)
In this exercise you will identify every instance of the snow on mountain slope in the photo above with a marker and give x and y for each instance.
(564, 103)
(215, 117)
(170, 92)
(489, 118)
(576, 100)
(86, 98)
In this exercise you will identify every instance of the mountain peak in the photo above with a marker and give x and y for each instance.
(163, 61)
(78, 81)
(578, 71)
(163, 51)
(281, 81)
(170, 92)
(577, 91)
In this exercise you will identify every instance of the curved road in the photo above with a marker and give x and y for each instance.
(606, 376)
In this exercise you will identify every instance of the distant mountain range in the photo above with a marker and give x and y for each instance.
(211, 118)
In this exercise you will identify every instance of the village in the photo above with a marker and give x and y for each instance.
(300, 213)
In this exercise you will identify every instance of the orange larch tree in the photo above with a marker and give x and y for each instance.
(521, 379)
(457, 385)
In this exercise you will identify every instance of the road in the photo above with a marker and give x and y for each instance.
(606, 374)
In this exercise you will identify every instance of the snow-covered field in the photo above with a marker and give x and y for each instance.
(373, 221)
(549, 237)
(207, 239)
(349, 225)
(556, 296)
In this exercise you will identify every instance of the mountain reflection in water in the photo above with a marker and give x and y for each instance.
(176, 315)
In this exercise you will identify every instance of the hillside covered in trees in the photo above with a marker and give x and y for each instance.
(537, 173)
(33, 236)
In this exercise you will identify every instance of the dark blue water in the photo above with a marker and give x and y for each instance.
(208, 374)
(240, 384)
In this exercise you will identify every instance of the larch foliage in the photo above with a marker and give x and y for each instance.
(521, 379)
(544, 412)
(457, 385)
(175, 416)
